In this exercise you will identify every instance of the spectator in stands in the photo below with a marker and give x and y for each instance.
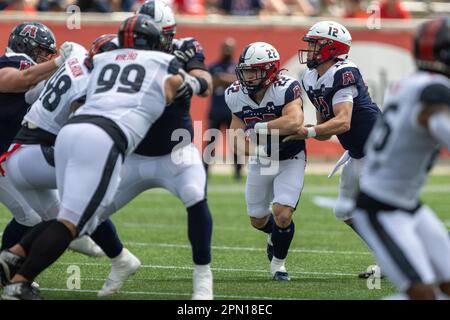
(223, 74)
(192, 7)
(95, 5)
(21, 5)
(240, 7)
(393, 9)
(288, 7)
(355, 9)
(54, 5)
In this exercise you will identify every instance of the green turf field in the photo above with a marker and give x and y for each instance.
(324, 260)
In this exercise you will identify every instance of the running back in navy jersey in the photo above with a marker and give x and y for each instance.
(158, 140)
(321, 91)
(12, 105)
(283, 91)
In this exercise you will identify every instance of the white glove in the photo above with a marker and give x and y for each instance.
(64, 52)
(191, 81)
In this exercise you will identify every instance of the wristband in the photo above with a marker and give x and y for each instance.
(262, 128)
(311, 132)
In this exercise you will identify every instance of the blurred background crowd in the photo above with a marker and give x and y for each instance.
(395, 9)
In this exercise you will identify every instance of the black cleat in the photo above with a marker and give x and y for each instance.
(9, 264)
(20, 291)
(269, 248)
(368, 274)
(281, 276)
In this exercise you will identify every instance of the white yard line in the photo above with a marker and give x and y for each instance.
(296, 250)
(155, 293)
(171, 267)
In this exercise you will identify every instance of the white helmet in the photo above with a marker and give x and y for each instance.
(264, 59)
(331, 41)
(164, 19)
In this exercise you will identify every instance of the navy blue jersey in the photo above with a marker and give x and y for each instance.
(322, 90)
(218, 108)
(278, 95)
(158, 140)
(12, 105)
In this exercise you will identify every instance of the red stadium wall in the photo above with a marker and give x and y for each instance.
(286, 39)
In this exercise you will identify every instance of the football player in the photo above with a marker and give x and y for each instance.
(161, 160)
(411, 244)
(344, 108)
(27, 61)
(269, 103)
(127, 91)
(35, 143)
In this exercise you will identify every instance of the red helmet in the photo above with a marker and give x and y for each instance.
(330, 41)
(101, 44)
(432, 45)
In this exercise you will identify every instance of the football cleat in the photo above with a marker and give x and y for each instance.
(20, 291)
(122, 267)
(368, 274)
(281, 276)
(85, 245)
(202, 283)
(9, 264)
(269, 248)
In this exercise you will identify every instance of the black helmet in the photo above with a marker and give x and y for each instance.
(103, 43)
(432, 46)
(33, 39)
(139, 32)
(163, 16)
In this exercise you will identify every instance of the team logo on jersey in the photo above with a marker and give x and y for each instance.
(29, 31)
(297, 91)
(24, 64)
(75, 67)
(347, 78)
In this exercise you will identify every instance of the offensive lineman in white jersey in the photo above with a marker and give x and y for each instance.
(90, 148)
(267, 102)
(35, 141)
(411, 244)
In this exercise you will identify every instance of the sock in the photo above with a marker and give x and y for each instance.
(107, 238)
(269, 225)
(281, 239)
(12, 234)
(27, 241)
(200, 231)
(46, 249)
(277, 265)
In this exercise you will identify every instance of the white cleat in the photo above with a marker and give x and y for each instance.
(122, 267)
(202, 282)
(85, 245)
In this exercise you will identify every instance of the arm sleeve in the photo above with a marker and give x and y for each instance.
(439, 126)
(345, 95)
(33, 94)
(434, 94)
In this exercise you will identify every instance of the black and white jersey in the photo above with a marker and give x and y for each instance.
(400, 151)
(127, 87)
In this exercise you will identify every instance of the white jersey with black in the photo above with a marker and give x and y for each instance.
(127, 87)
(400, 151)
(51, 110)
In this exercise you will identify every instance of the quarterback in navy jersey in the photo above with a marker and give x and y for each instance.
(343, 105)
(267, 103)
(27, 61)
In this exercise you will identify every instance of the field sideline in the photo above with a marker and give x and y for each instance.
(324, 260)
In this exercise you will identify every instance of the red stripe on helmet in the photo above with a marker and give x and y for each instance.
(131, 31)
(428, 39)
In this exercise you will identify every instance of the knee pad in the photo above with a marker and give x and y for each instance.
(344, 208)
(190, 194)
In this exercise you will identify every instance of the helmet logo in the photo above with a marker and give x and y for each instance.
(29, 31)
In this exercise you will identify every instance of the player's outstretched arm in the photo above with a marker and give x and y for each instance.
(290, 122)
(207, 77)
(171, 86)
(14, 80)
